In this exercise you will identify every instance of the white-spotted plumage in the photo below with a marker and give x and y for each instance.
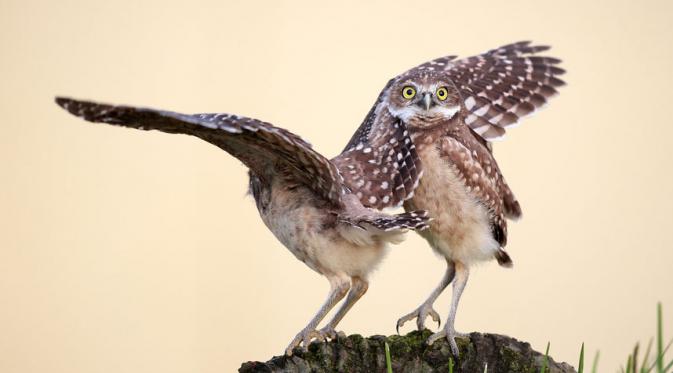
(462, 187)
(301, 197)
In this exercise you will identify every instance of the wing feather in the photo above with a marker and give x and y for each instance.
(261, 146)
(502, 85)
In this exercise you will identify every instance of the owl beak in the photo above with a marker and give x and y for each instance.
(427, 101)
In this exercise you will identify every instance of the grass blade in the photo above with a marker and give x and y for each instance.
(668, 345)
(543, 368)
(669, 366)
(629, 363)
(594, 365)
(389, 363)
(580, 369)
(643, 366)
(660, 341)
(450, 365)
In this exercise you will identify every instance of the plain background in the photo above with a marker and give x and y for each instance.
(128, 251)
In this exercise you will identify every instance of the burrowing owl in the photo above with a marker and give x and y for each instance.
(453, 109)
(301, 196)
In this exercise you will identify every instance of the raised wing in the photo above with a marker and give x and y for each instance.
(260, 146)
(381, 165)
(502, 85)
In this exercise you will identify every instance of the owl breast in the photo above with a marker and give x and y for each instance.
(460, 229)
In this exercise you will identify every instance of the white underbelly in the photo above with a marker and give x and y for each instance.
(301, 229)
(460, 229)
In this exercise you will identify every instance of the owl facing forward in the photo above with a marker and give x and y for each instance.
(453, 109)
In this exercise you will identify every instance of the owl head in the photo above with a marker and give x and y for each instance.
(423, 99)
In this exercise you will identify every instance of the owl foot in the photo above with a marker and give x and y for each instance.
(328, 332)
(420, 314)
(450, 334)
(303, 339)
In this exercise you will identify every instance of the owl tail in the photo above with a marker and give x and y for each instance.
(362, 229)
(415, 220)
(503, 258)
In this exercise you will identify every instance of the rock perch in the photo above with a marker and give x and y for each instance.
(408, 353)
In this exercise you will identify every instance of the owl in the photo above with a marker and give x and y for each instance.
(453, 110)
(300, 195)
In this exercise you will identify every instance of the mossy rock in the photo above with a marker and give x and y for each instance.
(409, 353)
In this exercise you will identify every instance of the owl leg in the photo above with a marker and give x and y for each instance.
(425, 309)
(359, 287)
(449, 331)
(339, 286)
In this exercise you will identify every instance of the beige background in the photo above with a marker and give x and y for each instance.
(125, 251)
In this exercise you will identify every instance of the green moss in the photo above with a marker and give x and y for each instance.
(513, 361)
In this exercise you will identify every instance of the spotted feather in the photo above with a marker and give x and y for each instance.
(500, 86)
(380, 164)
(477, 169)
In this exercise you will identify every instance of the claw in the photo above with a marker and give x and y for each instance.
(303, 339)
(435, 317)
(450, 336)
(328, 332)
(420, 314)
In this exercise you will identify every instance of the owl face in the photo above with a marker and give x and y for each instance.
(422, 100)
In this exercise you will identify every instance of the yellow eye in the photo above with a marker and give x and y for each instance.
(442, 93)
(408, 92)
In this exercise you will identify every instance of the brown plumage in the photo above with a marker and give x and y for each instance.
(424, 143)
(453, 109)
(301, 197)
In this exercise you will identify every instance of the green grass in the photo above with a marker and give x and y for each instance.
(543, 368)
(580, 367)
(647, 365)
(389, 363)
(660, 340)
(594, 365)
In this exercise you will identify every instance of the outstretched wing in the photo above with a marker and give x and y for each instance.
(260, 146)
(502, 85)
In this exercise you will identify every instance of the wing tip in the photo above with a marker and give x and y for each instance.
(63, 102)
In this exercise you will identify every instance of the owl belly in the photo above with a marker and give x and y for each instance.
(460, 229)
(311, 234)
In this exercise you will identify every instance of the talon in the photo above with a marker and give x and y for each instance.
(436, 318)
(327, 333)
(450, 336)
(302, 340)
(420, 314)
